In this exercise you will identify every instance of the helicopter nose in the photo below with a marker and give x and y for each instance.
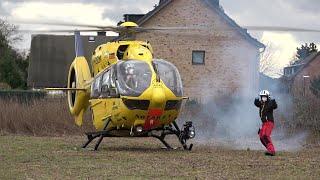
(158, 97)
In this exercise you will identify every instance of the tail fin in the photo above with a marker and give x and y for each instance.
(78, 44)
(78, 89)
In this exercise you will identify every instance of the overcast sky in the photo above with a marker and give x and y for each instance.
(292, 13)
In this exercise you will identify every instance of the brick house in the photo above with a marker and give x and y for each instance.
(221, 59)
(299, 82)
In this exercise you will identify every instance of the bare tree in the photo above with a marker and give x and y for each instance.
(8, 33)
(268, 63)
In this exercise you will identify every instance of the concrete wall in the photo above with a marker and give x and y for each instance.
(51, 56)
(231, 62)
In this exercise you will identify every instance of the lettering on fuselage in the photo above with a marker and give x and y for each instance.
(97, 59)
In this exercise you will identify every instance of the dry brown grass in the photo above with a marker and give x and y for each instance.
(51, 116)
(306, 113)
(41, 117)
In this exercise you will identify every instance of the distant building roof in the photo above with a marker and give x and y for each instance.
(291, 70)
(214, 4)
(299, 67)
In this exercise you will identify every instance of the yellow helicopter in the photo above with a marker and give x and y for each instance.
(130, 93)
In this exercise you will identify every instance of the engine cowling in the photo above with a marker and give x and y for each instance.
(78, 78)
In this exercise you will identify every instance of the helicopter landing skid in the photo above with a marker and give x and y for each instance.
(172, 129)
(182, 135)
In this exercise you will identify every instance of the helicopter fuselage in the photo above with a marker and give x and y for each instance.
(128, 91)
(135, 93)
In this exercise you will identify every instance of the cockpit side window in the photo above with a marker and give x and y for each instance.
(96, 88)
(105, 84)
(108, 84)
(170, 76)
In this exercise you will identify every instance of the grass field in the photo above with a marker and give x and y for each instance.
(24, 157)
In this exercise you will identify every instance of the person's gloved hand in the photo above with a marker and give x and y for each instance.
(259, 131)
(256, 99)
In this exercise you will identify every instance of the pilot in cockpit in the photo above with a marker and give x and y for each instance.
(131, 77)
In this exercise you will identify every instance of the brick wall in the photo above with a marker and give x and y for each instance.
(300, 84)
(231, 62)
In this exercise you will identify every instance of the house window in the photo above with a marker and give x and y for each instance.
(198, 57)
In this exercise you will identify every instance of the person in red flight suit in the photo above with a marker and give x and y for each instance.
(266, 106)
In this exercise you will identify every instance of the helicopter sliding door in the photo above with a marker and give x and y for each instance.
(104, 85)
(104, 97)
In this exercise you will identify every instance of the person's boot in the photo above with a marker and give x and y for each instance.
(270, 153)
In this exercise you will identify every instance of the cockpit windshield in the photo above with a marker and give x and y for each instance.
(170, 76)
(134, 77)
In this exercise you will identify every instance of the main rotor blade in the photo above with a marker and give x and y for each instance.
(252, 28)
(142, 29)
(62, 30)
(167, 29)
(67, 24)
(114, 29)
(71, 24)
(279, 28)
(174, 28)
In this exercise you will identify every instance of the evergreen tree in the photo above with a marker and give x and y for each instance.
(304, 51)
(13, 66)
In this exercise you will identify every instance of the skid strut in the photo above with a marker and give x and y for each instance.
(94, 135)
(183, 135)
(161, 138)
(188, 132)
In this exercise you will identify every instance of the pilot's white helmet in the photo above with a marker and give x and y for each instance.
(264, 93)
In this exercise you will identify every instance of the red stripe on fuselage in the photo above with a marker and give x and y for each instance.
(153, 119)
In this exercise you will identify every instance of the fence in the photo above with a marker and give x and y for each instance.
(22, 95)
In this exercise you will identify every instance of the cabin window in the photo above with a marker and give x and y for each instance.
(121, 50)
(108, 85)
(96, 88)
(198, 57)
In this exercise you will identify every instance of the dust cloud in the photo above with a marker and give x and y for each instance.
(231, 120)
